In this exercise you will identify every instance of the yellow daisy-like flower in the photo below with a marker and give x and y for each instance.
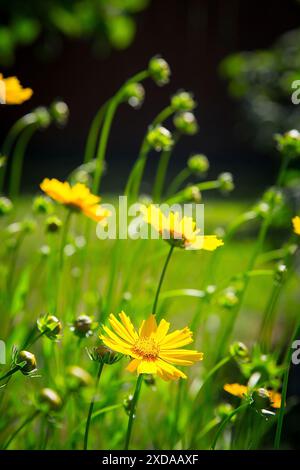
(152, 349)
(179, 231)
(12, 92)
(77, 197)
(241, 391)
(296, 224)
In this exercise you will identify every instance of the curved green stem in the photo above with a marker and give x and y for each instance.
(91, 408)
(13, 133)
(23, 425)
(161, 280)
(10, 372)
(162, 170)
(133, 410)
(91, 143)
(182, 196)
(182, 176)
(224, 423)
(17, 160)
(111, 110)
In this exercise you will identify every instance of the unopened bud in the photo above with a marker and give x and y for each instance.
(27, 362)
(226, 182)
(198, 164)
(134, 94)
(6, 206)
(78, 377)
(59, 111)
(159, 70)
(50, 399)
(186, 123)
(183, 101)
(160, 138)
(53, 224)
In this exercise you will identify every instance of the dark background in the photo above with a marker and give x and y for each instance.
(193, 36)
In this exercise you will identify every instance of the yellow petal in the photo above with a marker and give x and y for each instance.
(183, 357)
(120, 329)
(147, 367)
(177, 339)
(128, 325)
(132, 366)
(296, 224)
(208, 242)
(162, 330)
(148, 327)
(169, 369)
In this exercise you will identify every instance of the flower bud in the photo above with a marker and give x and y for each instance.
(280, 273)
(198, 164)
(226, 182)
(53, 224)
(43, 118)
(45, 251)
(104, 354)
(159, 70)
(50, 399)
(224, 410)
(183, 101)
(6, 206)
(149, 380)
(42, 205)
(27, 362)
(78, 378)
(160, 138)
(289, 144)
(239, 351)
(28, 226)
(134, 94)
(193, 193)
(83, 326)
(59, 112)
(186, 123)
(261, 398)
(228, 298)
(50, 326)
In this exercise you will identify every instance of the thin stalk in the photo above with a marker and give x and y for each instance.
(174, 428)
(133, 410)
(105, 131)
(161, 279)
(181, 196)
(224, 423)
(91, 143)
(23, 425)
(91, 408)
(61, 255)
(7, 146)
(18, 158)
(10, 372)
(182, 176)
(162, 170)
(284, 390)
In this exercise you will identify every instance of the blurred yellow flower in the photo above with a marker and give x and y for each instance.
(12, 92)
(180, 232)
(77, 197)
(241, 391)
(296, 224)
(152, 350)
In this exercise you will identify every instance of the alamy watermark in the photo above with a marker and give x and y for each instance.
(2, 352)
(2, 92)
(129, 221)
(296, 94)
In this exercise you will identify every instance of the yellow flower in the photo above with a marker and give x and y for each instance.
(181, 232)
(77, 197)
(152, 349)
(296, 224)
(242, 390)
(12, 92)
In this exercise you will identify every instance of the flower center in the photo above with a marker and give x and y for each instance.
(147, 348)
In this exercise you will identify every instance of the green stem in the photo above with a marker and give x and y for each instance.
(133, 410)
(13, 133)
(182, 196)
(178, 181)
(284, 390)
(23, 425)
(225, 421)
(17, 160)
(105, 131)
(10, 372)
(162, 170)
(61, 255)
(91, 408)
(161, 280)
(174, 428)
(91, 143)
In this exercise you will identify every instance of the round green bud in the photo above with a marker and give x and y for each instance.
(43, 118)
(159, 70)
(193, 193)
(6, 206)
(183, 101)
(78, 378)
(224, 410)
(160, 138)
(226, 182)
(29, 361)
(228, 298)
(198, 164)
(104, 354)
(42, 205)
(289, 144)
(239, 350)
(50, 326)
(134, 94)
(59, 112)
(50, 399)
(28, 226)
(186, 123)
(83, 326)
(53, 224)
